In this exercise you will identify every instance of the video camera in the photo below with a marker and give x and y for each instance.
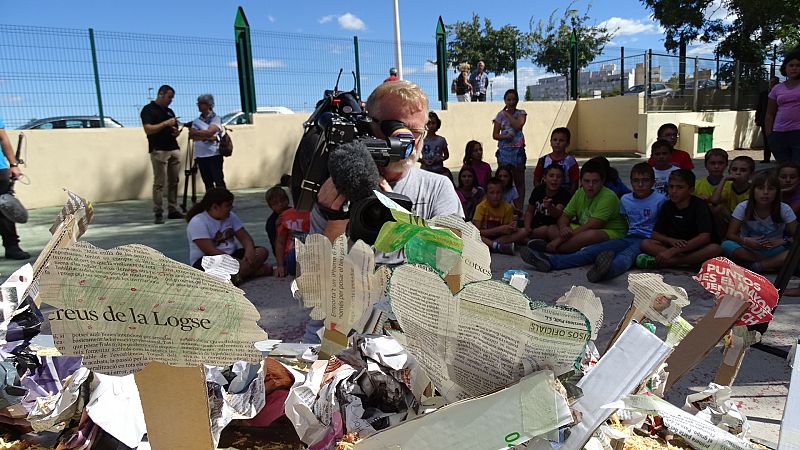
(338, 120)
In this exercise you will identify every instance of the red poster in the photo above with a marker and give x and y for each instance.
(720, 276)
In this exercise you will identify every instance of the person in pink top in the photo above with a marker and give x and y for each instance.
(473, 157)
(782, 122)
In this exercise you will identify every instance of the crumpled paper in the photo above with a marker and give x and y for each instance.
(714, 405)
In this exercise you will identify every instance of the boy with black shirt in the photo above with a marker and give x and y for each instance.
(684, 232)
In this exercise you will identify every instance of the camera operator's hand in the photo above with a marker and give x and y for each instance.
(329, 197)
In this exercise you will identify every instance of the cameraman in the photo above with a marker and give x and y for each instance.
(431, 194)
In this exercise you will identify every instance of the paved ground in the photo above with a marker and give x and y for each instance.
(760, 388)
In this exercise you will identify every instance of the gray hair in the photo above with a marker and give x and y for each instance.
(208, 99)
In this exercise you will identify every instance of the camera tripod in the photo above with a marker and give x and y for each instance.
(189, 171)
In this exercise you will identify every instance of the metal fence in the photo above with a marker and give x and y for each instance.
(49, 72)
(54, 72)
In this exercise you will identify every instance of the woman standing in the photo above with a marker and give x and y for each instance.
(206, 131)
(463, 89)
(511, 142)
(782, 121)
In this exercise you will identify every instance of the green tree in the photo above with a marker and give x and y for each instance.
(747, 33)
(477, 40)
(550, 40)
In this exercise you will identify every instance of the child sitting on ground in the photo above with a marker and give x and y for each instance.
(716, 160)
(546, 203)
(594, 207)
(506, 176)
(278, 201)
(473, 157)
(613, 181)
(291, 224)
(669, 132)
(616, 256)
(734, 189)
(684, 231)
(761, 227)
(468, 191)
(559, 141)
(495, 220)
(661, 157)
(789, 176)
(434, 148)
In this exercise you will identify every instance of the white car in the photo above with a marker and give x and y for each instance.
(239, 118)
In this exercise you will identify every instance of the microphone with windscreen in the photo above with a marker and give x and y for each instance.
(354, 174)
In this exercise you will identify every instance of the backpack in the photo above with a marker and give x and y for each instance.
(225, 143)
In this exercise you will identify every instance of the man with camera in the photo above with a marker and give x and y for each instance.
(162, 128)
(431, 194)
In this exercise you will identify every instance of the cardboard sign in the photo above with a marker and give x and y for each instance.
(720, 276)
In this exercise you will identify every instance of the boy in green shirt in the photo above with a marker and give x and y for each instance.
(595, 210)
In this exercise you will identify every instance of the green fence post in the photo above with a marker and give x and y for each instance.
(244, 63)
(622, 70)
(441, 63)
(96, 78)
(358, 67)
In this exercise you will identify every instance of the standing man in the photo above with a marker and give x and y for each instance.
(392, 75)
(9, 170)
(161, 128)
(479, 81)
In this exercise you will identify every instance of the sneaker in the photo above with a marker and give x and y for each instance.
(535, 259)
(506, 249)
(601, 266)
(16, 253)
(175, 215)
(645, 261)
(538, 245)
(159, 218)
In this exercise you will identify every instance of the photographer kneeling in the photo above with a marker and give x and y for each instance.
(431, 194)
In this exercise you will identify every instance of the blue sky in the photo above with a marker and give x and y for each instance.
(333, 23)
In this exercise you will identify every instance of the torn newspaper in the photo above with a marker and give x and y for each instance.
(485, 338)
(124, 307)
(654, 298)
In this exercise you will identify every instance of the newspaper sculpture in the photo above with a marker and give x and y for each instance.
(339, 285)
(654, 298)
(124, 307)
(485, 338)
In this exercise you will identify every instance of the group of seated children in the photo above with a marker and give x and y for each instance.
(670, 219)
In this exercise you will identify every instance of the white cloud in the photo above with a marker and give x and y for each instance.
(326, 19)
(271, 19)
(408, 70)
(262, 63)
(717, 11)
(11, 99)
(349, 21)
(429, 67)
(627, 27)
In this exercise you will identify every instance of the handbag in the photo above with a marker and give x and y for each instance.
(225, 143)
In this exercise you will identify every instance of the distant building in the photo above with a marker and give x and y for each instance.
(639, 77)
(606, 80)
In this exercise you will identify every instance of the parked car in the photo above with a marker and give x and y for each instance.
(239, 118)
(57, 123)
(657, 90)
(702, 84)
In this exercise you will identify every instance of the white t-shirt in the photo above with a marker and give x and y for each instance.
(204, 149)
(766, 227)
(222, 232)
(662, 179)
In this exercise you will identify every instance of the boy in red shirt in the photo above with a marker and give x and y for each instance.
(669, 132)
(291, 224)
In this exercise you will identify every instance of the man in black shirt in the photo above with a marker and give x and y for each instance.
(684, 231)
(161, 127)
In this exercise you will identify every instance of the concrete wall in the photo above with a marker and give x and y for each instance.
(735, 129)
(607, 124)
(463, 122)
(112, 164)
